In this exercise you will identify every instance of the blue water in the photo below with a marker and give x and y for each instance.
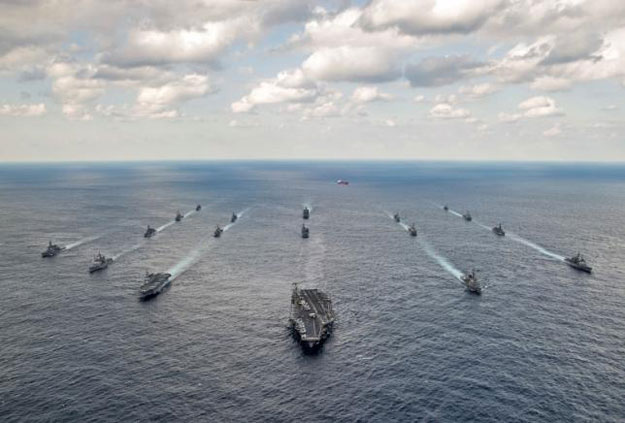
(543, 342)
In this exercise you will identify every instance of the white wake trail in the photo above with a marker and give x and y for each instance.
(165, 226)
(442, 261)
(83, 241)
(184, 264)
(537, 247)
(129, 250)
(455, 213)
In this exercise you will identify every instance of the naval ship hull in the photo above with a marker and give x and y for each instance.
(582, 268)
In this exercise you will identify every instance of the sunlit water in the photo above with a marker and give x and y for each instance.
(543, 342)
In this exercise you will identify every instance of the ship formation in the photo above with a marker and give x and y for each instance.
(312, 316)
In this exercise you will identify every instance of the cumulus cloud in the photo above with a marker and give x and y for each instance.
(539, 106)
(156, 47)
(436, 71)
(551, 83)
(421, 17)
(553, 131)
(366, 94)
(342, 51)
(447, 111)
(533, 107)
(478, 90)
(22, 109)
(282, 89)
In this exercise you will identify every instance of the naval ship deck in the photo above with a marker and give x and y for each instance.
(315, 312)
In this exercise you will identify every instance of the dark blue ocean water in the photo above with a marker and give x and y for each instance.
(543, 343)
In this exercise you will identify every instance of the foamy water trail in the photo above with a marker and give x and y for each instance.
(165, 226)
(537, 247)
(402, 224)
(482, 225)
(442, 261)
(192, 212)
(129, 250)
(83, 241)
(184, 264)
(239, 216)
(455, 213)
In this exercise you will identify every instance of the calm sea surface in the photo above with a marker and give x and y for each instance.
(543, 342)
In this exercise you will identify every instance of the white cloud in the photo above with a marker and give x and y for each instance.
(553, 131)
(155, 47)
(429, 16)
(347, 63)
(368, 93)
(447, 111)
(342, 51)
(419, 98)
(188, 87)
(22, 109)
(550, 83)
(272, 92)
(539, 106)
(436, 71)
(509, 117)
(478, 90)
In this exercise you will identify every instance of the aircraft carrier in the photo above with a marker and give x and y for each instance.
(312, 317)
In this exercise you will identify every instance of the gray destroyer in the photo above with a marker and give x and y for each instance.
(179, 216)
(305, 231)
(154, 284)
(233, 218)
(100, 262)
(306, 213)
(412, 230)
(52, 250)
(467, 216)
(218, 232)
(471, 282)
(312, 317)
(578, 262)
(150, 232)
(498, 230)
(396, 217)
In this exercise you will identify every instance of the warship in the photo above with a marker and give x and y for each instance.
(445, 207)
(306, 213)
(198, 207)
(467, 216)
(154, 284)
(100, 263)
(312, 317)
(233, 218)
(396, 217)
(412, 230)
(578, 262)
(150, 232)
(52, 250)
(499, 230)
(470, 281)
(218, 232)
(179, 216)
(305, 231)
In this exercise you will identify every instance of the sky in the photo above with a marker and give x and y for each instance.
(87, 80)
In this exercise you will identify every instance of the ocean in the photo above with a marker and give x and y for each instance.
(543, 342)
